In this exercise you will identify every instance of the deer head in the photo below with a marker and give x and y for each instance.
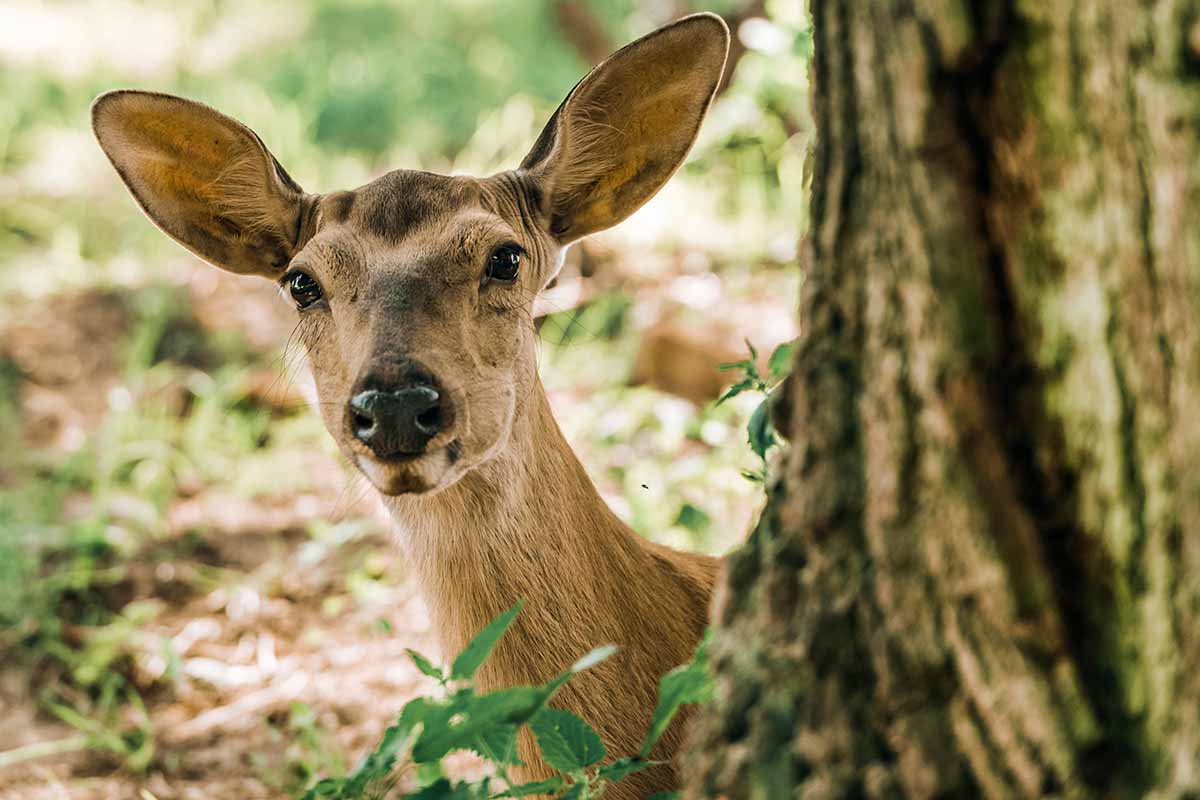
(414, 292)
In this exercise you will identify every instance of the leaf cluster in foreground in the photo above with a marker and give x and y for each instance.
(428, 729)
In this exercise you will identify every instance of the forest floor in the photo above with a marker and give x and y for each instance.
(213, 607)
(286, 649)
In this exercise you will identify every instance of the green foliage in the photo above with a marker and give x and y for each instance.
(780, 362)
(548, 786)
(693, 518)
(479, 648)
(760, 434)
(751, 380)
(430, 728)
(132, 744)
(372, 74)
(427, 667)
(568, 743)
(686, 684)
(759, 431)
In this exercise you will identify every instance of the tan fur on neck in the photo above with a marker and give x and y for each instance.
(530, 525)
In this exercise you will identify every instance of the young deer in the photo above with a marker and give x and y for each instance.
(414, 295)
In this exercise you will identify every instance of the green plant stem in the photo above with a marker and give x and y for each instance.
(42, 749)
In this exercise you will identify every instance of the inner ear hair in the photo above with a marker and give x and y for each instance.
(627, 126)
(203, 178)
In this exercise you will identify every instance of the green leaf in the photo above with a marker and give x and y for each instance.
(396, 739)
(623, 767)
(744, 366)
(329, 787)
(498, 745)
(688, 683)
(751, 379)
(733, 391)
(780, 362)
(664, 796)
(759, 432)
(442, 789)
(593, 658)
(803, 45)
(428, 773)
(574, 792)
(548, 786)
(693, 518)
(479, 648)
(426, 666)
(457, 725)
(567, 742)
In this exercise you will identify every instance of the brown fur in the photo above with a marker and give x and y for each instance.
(587, 580)
(497, 508)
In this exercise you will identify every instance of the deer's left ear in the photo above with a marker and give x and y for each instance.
(206, 180)
(627, 126)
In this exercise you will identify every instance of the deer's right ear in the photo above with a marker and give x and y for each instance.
(206, 180)
(627, 126)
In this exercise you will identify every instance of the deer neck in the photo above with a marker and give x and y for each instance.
(526, 525)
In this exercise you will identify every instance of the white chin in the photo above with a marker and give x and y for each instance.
(428, 473)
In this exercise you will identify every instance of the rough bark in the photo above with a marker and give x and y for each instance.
(979, 572)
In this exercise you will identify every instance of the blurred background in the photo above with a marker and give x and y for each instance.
(197, 597)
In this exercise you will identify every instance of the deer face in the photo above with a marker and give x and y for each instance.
(414, 292)
(414, 296)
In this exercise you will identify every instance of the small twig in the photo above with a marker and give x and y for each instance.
(583, 30)
(241, 711)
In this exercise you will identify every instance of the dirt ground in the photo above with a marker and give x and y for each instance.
(263, 630)
(244, 657)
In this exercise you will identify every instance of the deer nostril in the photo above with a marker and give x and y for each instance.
(430, 420)
(363, 425)
(364, 412)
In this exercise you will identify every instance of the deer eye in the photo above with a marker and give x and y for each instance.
(504, 263)
(304, 289)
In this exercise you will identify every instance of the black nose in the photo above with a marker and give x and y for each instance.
(394, 423)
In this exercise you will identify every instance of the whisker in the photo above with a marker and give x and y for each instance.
(283, 361)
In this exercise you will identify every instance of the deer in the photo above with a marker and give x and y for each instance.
(413, 296)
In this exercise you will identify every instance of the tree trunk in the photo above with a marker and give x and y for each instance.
(979, 573)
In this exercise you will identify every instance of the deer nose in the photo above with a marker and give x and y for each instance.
(394, 423)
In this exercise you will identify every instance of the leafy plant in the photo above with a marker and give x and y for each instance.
(759, 431)
(428, 729)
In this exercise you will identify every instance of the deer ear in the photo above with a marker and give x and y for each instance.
(627, 126)
(206, 180)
